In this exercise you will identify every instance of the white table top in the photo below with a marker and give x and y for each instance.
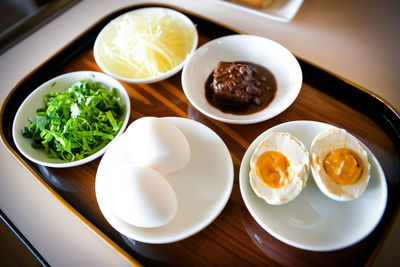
(355, 39)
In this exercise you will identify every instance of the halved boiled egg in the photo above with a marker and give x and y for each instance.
(339, 164)
(279, 168)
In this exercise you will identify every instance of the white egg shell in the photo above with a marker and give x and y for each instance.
(141, 196)
(322, 144)
(156, 143)
(298, 157)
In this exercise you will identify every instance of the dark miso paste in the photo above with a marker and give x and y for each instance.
(240, 87)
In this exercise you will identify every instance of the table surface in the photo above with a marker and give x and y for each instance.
(354, 39)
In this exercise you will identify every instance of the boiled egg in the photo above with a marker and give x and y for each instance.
(279, 168)
(141, 196)
(156, 143)
(340, 164)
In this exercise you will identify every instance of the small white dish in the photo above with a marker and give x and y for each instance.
(273, 56)
(279, 10)
(107, 34)
(35, 100)
(202, 187)
(312, 221)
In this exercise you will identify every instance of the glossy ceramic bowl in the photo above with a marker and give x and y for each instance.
(35, 100)
(108, 35)
(255, 49)
(202, 187)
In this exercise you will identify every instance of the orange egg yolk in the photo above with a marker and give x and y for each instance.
(343, 166)
(273, 169)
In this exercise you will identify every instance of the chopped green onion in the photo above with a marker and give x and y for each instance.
(76, 123)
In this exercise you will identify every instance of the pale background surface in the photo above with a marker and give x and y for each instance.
(355, 39)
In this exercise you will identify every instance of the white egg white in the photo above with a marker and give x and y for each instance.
(327, 141)
(298, 157)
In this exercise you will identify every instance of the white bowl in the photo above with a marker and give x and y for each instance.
(202, 187)
(267, 53)
(35, 100)
(107, 33)
(313, 221)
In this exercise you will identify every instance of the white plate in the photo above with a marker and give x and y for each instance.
(203, 187)
(240, 47)
(312, 221)
(35, 100)
(280, 10)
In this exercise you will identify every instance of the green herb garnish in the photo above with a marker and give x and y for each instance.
(76, 123)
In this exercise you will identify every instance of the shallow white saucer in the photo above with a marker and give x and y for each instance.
(279, 10)
(203, 187)
(312, 221)
(241, 47)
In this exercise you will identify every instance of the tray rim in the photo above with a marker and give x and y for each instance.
(112, 13)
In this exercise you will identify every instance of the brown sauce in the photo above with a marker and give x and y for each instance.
(240, 88)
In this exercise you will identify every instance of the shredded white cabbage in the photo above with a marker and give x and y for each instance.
(148, 45)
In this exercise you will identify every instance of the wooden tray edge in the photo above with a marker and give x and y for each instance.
(79, 216)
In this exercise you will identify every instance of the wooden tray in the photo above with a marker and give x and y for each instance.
(234, 238)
